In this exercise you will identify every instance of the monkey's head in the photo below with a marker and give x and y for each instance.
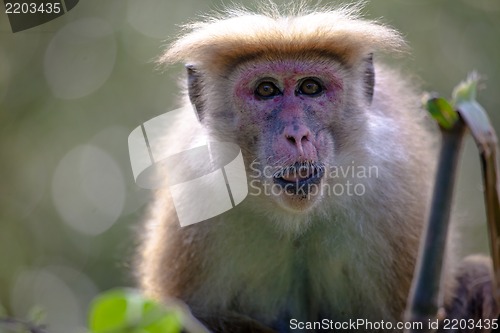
(286, 115)
(293, 92)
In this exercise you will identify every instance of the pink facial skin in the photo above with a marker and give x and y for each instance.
(296, 124)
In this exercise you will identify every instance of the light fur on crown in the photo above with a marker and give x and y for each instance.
(238, 34)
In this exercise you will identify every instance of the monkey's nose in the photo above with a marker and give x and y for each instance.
(298, 137)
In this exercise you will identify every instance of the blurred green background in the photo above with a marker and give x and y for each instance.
(73, 89)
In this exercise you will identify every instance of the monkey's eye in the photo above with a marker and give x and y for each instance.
(267, 89)
(310, 87)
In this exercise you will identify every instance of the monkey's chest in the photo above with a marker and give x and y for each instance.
(282, 284)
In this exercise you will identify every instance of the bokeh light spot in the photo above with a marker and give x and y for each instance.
(88, 190)
(52, 295)
(80, 58)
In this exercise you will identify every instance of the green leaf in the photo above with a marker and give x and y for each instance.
(109, 312)
(473, 113)
(442, 112)
(158, 319)
(466, 90)
(127, 311)
(168, 323)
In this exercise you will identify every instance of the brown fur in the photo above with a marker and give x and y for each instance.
(219, 43)
(256, 266)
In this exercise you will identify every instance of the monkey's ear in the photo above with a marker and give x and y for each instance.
(194, 89)
(369, 77)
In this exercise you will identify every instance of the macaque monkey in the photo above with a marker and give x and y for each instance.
(340, 163)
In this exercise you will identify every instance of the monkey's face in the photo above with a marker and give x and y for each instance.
(285, 116)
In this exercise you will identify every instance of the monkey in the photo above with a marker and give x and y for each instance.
(342, 139)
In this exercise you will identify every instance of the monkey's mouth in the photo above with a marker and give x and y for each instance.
(299, 178)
